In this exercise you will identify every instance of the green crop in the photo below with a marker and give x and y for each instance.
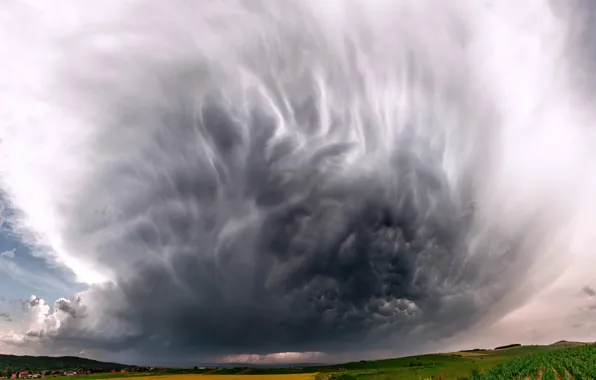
(572, 363)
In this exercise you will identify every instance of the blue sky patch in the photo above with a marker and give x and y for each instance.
(27, 270)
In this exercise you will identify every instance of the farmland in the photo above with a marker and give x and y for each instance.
(303, 376)
(571, 363)
(447, 366)
(307, 376)
(562, 360)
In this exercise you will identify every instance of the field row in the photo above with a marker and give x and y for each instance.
(572, 363)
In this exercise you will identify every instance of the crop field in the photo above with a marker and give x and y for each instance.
(525, 362)
(306, 376)
(553, 362)
(571, 363)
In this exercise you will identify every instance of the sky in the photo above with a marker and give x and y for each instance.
(25, 271)
(295, 181)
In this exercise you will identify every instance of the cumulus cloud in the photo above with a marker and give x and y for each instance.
(8, 254)
(232, 181)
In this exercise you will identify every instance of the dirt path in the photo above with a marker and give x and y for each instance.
(561, 376)
(539, 374)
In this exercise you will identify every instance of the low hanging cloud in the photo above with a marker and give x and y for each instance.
(281, 357)
(355, 177)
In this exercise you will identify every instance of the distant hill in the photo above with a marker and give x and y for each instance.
(566, 343)
(508, 346)
(14, 362)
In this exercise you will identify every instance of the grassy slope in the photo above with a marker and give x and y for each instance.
(13, 362)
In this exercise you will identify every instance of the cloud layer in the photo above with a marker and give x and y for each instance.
(231, 180)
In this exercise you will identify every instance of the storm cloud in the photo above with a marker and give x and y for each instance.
(237, 180)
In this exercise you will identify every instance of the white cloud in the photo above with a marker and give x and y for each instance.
(40, 321)
(8, 254)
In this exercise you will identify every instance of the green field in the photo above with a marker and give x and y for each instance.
(571, 363)
(490, 364)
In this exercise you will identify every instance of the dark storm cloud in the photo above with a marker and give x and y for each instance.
(35, 301)
(265, 201)
(67, 307)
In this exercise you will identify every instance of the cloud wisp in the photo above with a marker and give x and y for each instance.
(8, 254)
(230, 180)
